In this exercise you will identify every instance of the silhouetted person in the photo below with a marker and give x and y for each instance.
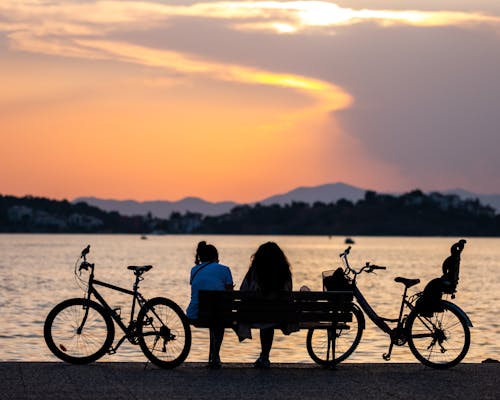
(208, 274)
(269, 272)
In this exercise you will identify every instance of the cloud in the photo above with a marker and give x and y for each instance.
(426, 113)
(98, 17)
(80, 29)
(427, 104)
(76, 30)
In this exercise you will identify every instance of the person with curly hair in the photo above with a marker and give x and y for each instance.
(269, 273)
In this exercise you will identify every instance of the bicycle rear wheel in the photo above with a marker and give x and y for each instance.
(164, 333)
(347, 337)
(78, 331)
(440, 341)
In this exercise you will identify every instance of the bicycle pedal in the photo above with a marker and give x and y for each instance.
(111, 351)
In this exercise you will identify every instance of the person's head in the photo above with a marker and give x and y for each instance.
(271, 266)
(206, 252)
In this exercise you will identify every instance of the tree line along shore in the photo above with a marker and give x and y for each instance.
(410, 214)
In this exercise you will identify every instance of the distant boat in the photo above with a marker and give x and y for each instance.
(349, 240)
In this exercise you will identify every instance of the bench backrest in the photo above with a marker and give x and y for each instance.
(308, 309)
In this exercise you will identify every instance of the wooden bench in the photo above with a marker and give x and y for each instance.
(318, 310)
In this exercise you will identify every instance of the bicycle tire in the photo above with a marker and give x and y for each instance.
(443, 346)
(164, 333)
(348, 336)
(63, 340)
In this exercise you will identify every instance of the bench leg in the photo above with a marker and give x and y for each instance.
(332, 338)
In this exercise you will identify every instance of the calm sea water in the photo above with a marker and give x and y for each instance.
(37, 273)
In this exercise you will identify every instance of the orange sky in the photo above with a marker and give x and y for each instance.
(91, 104)
(129, 133)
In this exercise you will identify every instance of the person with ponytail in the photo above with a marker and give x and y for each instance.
(208, 274)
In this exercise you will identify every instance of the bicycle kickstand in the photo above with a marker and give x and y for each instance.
(387, 356)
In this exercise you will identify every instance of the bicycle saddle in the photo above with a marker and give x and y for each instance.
(407, 282)
(140, 269)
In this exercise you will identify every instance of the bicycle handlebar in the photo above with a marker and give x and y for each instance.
(366, 268)
(84, 264)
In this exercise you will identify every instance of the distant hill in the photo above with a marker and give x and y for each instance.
(162, 209)
(492, 200)
(159, 209)
(413, 213)
(328, 193)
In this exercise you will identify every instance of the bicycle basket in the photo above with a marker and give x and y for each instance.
(335, 280)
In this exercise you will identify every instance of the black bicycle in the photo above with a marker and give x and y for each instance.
(81, 330)
(438, 333)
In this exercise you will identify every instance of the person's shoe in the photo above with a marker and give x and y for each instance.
(262, 363)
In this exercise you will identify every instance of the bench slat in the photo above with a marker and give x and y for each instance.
(308, 309)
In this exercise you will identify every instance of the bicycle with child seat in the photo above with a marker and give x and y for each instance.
(81, 330)
(438, 339)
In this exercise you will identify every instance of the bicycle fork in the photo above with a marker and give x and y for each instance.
(84, 319)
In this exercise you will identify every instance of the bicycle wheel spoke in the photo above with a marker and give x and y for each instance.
(441, 344)
(78, 331)
(165, 336)
(347, 337)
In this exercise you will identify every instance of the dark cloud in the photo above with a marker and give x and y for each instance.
(427, 100)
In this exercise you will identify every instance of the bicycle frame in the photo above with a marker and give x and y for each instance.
(379, 321)
(130, 330)
(397, 334)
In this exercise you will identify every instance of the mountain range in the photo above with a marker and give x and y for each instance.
(327, 193)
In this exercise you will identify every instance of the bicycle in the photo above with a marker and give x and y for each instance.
(81, 330)
(438, 339)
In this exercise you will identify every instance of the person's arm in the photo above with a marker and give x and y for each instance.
(229, 285)
(245, 285)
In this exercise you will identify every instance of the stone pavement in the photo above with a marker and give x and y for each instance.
(56, 380)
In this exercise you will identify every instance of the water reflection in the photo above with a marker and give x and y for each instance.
(37, 273)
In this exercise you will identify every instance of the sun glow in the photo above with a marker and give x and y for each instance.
(105, 95)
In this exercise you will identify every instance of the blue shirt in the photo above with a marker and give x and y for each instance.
(212, 276)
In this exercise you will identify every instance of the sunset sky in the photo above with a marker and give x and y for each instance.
(159, 100)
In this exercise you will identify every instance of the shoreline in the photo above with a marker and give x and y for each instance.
(125, 380)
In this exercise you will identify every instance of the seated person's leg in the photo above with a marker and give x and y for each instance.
(216, 337)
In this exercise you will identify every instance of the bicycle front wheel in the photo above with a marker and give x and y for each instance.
(347, 337)
(164, 333)
(440, 341)
(78, 331)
